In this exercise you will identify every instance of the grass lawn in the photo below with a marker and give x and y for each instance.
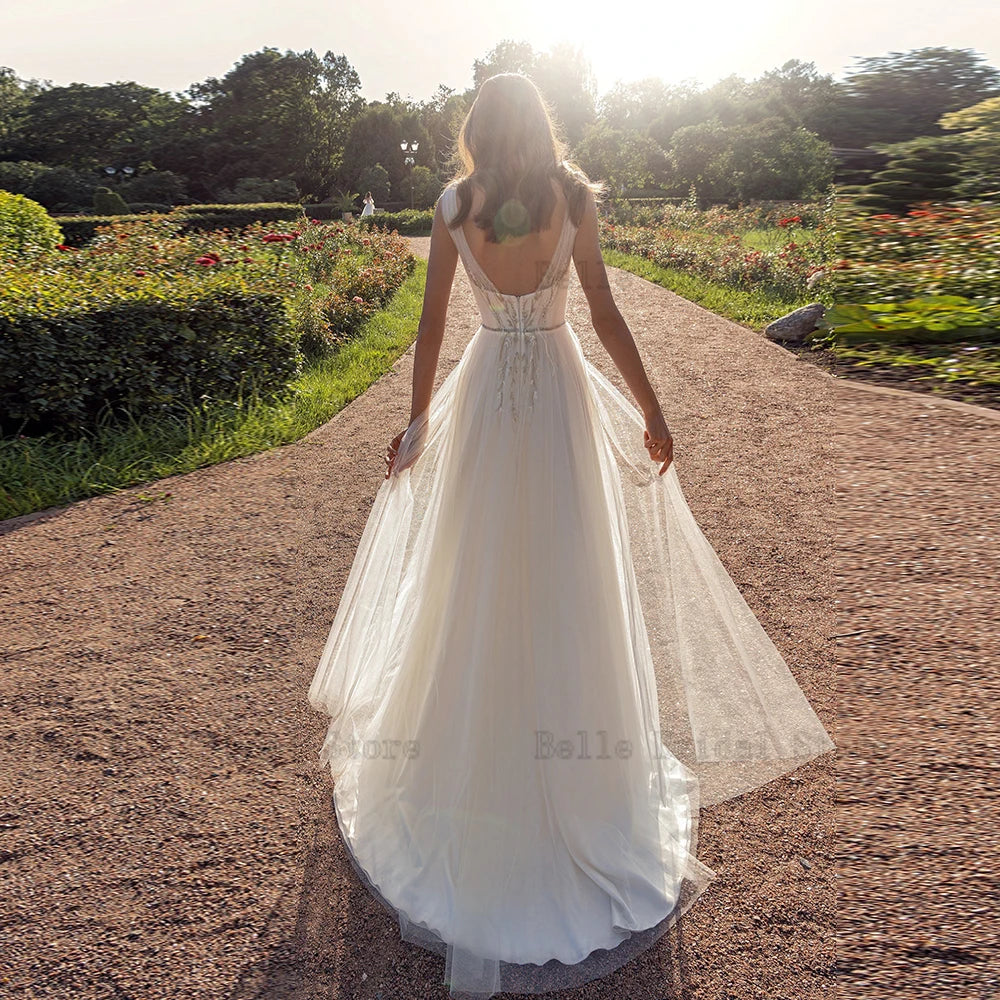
(754, 309)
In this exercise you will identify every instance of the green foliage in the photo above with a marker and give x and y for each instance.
(146, 319)
(422, 187)
(108, 202)
(144, 207)
(935, 249)
(257, 190)
(899, 96)
(624, 158)
(59, 189)
(376, 180)
(768, 159)
(711, 245)
(408, 223)
(930, 319)
(923, 172)
(72, 345)
(50, 470)
(25, 226)
(346, 201)
(163, 187)
(79, 229)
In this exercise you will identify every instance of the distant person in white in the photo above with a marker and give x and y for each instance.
(369, 208)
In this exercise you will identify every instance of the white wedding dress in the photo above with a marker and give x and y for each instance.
(539, 668)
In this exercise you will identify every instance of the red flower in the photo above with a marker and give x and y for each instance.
(206, 261)
(62, 246)
(357, 298)
(316, 222)
(139, 272)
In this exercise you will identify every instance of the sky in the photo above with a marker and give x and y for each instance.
(412, 48)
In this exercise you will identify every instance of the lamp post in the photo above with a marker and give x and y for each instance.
(127, 171)
(409, 161)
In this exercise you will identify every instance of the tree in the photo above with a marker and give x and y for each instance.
(924, 171)
(277, 115)
(624, 158)
(15, 95)
(978, 141)
(563, 77)
(376, 180)
(768, 159)
(375, 137)
(888, 99)
(425, 186)
(87, 127)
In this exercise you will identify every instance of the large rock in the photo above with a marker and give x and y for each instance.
(796, 326)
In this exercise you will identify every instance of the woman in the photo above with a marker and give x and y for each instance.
(538, 666)
(369, 208)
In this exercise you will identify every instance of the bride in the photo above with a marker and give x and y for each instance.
(539, 668)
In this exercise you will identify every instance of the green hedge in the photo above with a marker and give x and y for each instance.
(406, 223)
(80, 229)
(72, 345)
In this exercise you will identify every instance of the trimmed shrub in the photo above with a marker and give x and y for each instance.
(25, 226)
(80, 229)
(145, 207)
(108, 202)
(406, 223)
(72, 346)
(923, 173)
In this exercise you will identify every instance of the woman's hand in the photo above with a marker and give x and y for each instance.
(391, 452)
(411, 449)
(656, 437)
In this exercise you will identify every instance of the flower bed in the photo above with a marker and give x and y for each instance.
(932, 250)
(724, 257)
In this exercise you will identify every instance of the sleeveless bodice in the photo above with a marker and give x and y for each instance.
(519, 320)
(544, 308)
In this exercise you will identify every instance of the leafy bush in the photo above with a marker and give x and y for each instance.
(207, 218)
(108, 202)
(80, 229)
(157, 186)
(71, 345)
(931, 319)
(714, 245)
(924, 172)
(25, 226)
(111, 324)
(935, 249)
(144, 207)
(259, 190)
(408, 223)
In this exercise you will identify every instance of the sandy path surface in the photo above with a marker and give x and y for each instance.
(167, 829)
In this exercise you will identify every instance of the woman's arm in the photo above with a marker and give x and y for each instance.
(441, 263)
(614, 334)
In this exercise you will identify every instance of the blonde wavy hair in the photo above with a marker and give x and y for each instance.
(509, 145)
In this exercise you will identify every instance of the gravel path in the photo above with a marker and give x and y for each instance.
(168, 831)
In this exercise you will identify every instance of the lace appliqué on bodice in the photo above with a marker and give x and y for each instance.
(519, 319)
